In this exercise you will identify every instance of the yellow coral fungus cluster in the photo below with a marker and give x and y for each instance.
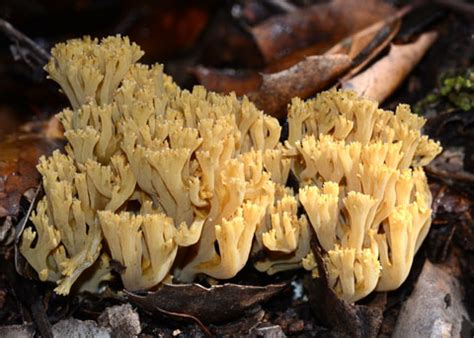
(363, 187)
(174, 183)
(157, 171)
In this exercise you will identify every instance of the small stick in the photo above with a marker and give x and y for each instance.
(40, 55)
(282, 5)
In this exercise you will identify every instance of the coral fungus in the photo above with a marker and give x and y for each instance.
(174, 183)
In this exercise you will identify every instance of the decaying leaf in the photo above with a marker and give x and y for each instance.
(18, 159)
(228, 80)
(241, 326)
(216, 304)
(303, 80)
(361, 48)
(365, 45)
(272, 92)
(319, 26)
(383, 77)
(354, 44)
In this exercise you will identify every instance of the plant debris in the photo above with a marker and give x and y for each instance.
(18, 159)
(302, 29)
(216, 304)
(380, 80)
(301, 80)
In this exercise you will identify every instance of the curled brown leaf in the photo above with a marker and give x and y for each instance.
(303, 80)
(363, 46)
(316, 28)
(228, 80)
(382, 78)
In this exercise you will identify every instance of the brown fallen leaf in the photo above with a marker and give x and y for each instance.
(242, 325)
(216, 304)
(303, 80)
(365, 45)
(354, 44)
(383, 77)
(18, 158)
(228, 80)
(316, 28)
(226, 43)
(361, 47)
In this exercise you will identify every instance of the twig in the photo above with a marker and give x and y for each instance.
(282, 5)
(458, 176)
(203, 327)
(21, 40)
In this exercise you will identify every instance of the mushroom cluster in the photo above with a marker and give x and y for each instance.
(171, 183)
(363, 188)
(165, 179)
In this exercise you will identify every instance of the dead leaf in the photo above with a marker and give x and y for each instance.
(18, 158)
(354, 44)
(176, 27)
(361, 47)
(303, 80)
(366, 44)
(383, 77)
(216, 304)
(228, 80)
(316, 28)
(345, 320)
(241, 326)
(226, 43)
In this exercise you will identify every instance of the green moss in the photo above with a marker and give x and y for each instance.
(455, 91)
